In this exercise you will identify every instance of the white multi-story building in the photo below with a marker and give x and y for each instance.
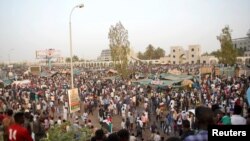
(194, 53)
(243, 43)
(180, 56)
(105, 55)
(176, 54)
(207, 59)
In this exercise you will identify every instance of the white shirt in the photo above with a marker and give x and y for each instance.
(157, 137)
(132, 138)
(123, 125)
(238, 120)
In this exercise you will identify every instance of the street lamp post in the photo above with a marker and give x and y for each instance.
(70, 42)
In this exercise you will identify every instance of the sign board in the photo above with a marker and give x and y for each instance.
(206, 70)
(35, 70)
(48, 53)
(74, 100)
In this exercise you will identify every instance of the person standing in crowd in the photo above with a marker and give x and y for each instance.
(248, 116)
(39, 129)
(16, 131)
(123, 135)
(7, 122)
(236, 118)
(204, 118)
(186, 129)
(99, 136)
(226, 120)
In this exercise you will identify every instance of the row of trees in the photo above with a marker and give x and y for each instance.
(74, 59)
(120, 49)
(151, 53)
(119, 46)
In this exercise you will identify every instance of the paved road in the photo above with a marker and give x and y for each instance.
(117, 124)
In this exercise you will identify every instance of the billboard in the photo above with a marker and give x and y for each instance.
(48, 53)
(74, 100)
(35, 70)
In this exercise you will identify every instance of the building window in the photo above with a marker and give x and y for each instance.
(173, 62)
(192, 62)
(173, 50)
(192, 49)
(173, 56)
(204, 62)
(192, 56)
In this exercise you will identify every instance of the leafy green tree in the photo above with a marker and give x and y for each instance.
(215, 53)
(75, 58)
(158, 53)
(67, 60)
(227, 54)
(119, 46)
(149, 53)
(59, 133)
(140, 55)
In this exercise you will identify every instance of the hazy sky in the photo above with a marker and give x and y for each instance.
(30, 25)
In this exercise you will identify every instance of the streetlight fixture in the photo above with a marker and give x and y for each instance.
(70, 42)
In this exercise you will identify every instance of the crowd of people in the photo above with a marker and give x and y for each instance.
(145, 112)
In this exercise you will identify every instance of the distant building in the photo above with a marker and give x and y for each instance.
(165, 60)
(105, 55)
(194, 53)
(180, 56)
(176, 54)
(243, 43)
(207, 59)
(247, 53)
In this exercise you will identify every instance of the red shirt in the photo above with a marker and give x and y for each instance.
(18, 133)
(2, 117)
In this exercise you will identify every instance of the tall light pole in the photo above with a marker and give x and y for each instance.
(70, 42)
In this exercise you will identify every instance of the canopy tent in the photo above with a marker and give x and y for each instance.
(26, 72)
(175, 72)
(111, 78)
(143, 82)
(21, 83)
(4, 83)
(76, 72)
(112, 71)
(168, 76)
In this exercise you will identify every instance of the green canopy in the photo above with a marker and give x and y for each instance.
(172, 77)
(76, 72)
(5, 83)
(143, 82)
(44, 74)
